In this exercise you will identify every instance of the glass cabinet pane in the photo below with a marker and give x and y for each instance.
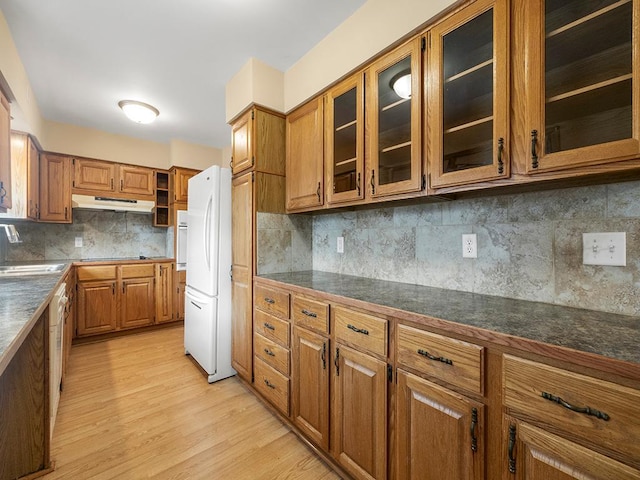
(394, 123)
(345, 141)
(468, 75)
(588, 73)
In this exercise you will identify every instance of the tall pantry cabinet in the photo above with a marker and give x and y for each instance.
(258, 167)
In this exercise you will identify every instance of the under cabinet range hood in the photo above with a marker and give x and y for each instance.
(109, 203)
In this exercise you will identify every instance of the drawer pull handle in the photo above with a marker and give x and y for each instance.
(474, 423)
(534, 152)
(357, 330)
(586, 410)
(269, 300)
(309, 314)
(269, 384)
(424, 353)
(512, 446)
(269, 326)
(269, 352)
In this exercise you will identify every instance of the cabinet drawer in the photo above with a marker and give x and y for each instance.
(551, 396)
(454, 361)
(137, 271)
(272, 385)
(270, 300)
(271, 353)
(310, 314)
(363, 331)
(272, 328)
(96, 272)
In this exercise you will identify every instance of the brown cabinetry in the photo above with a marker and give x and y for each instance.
(583, 102)
(55, 188)
(164, 295)
(394, 121)
(180, 280)
(597, 414)
(33, 179)
(344, 141)
(469, 95)
(305, 166)
(5, 153)
(115, 297)
(180, 183)
(97, 300)
(271, 352)
(259, 187)
(25, 177)
(91, 176)
(311, 358)
(162, 210)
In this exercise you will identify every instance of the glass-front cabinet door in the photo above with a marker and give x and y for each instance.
(393, 119)
(583, 100)
(344, 140)
(468, 95)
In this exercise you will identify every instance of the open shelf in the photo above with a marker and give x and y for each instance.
(161, 216)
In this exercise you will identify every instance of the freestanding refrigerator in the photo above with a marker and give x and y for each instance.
(207, 322)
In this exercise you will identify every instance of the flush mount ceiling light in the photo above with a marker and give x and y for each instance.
(401, 84)
(138, 112)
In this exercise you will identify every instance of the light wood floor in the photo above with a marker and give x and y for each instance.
(136, 407)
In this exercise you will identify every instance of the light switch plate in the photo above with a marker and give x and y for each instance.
(609, 248)
(78, 242)
(340, 245)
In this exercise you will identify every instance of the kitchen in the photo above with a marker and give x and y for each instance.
(529, 244)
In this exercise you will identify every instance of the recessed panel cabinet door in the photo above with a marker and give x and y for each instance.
(311, 385)
(5, 153)
(241, 139)
(583, 107)
(55, 188)
(242, 270)
(439, 432)
(136, 180)
(94, 175)
(96, 307)
(137, 303)
(469, 95)
(305, 185)
(359, 416)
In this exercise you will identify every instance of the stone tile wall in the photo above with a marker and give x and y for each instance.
(105, 234)
(284, 243)
(529, 245)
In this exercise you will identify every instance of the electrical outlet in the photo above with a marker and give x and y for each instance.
(340, 245)
(78, 242)
(604, 249)
(469, 245)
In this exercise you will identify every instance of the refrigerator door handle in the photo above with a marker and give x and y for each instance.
(207, 233)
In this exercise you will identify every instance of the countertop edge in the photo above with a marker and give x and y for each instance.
(18, 340)
(561, 353)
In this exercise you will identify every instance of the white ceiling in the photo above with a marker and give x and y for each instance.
(83, 56)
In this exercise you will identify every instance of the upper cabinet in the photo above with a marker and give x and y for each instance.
(55, 188)
(180, 183)
(5, 153)
(393, 113)
(305, 186)
(468, 95)
(25, 175)
(344, 140)
(257, 140)
(99, 176)
(583, 102)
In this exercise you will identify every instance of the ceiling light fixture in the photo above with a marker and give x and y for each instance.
(401, 84)
(138, 112)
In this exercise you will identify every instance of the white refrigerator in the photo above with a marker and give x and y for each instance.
(207, 322)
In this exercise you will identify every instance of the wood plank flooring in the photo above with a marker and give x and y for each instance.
(136, 407)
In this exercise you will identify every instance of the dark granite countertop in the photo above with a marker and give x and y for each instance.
(22, 300)
(607, 334)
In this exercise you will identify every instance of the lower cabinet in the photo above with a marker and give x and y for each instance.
(123, 296)
(439, 433)
(165, 311)
(386, 398)
(536, 454)
(359, 416)
(310, 390)
(180, 280)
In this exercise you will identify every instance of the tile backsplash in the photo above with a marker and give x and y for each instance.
(105, 234)
(529, 245)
